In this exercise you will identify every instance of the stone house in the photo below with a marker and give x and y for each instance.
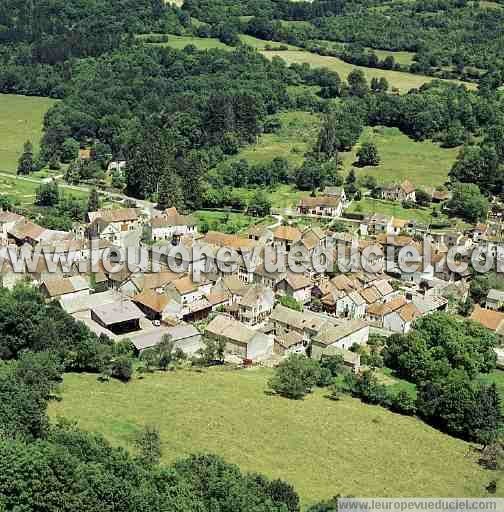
(327, 206)
(340, 334)
(495, 299)
(241, 340)
(256, 305)
(404, 191)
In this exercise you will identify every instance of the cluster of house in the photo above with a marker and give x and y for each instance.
(243, 308)
(333, 201)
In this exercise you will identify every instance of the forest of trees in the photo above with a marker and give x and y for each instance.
(175, 115)
(441, 33)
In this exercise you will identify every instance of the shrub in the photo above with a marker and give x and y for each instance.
(403, 403)
(122, 368)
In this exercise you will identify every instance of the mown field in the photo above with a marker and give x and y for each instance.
(401, 57)
(20, 120)
(207, 43)
(229, 221)
(423, 163)
(320, 446)
(400, 80)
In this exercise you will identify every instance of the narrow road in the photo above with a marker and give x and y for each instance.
(80, 188)
(279, 220)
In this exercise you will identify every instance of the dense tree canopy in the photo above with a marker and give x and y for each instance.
(438, 344)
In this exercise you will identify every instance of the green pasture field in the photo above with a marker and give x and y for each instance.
(21, 119)
(398, 79)
(423, 163)
(321, 446)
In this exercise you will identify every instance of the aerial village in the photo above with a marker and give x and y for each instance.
(261, 316)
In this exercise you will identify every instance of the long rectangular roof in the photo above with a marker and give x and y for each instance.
(117, 312)
(152, 338)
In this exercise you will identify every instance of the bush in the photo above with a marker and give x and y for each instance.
(334, 364)
(370, 390)
(290, 302)
(403, 403)
(122, 368)
(325, 378)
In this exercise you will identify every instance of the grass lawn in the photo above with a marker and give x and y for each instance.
(239, 221)
(490, 5)
(298, 132)
(20, 120)
(403, 81)
(370, 205)
(395, 384)
(403, 58)
(23, 192)
(322, 447)
(423, 163)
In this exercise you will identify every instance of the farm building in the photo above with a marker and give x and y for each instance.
(119, 317)
(240, 340)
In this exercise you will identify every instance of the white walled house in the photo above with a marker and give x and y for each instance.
(256, 305)
(296, 286)
(114, 225)
(341, 334)
(172, 226)
(327, 206)
(401, 320)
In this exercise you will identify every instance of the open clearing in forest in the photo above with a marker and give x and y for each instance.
(21, 119)
(297, 133)
(398, 79)
(423, 163)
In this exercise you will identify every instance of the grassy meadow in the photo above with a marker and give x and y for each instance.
(21, 119)
(201, 43)
(398, 79)
(260, 44)
(423, 163)
(23, 191)
(391, 208)
(298, 132)
(403, 58)
(281, 196)
(322, 447)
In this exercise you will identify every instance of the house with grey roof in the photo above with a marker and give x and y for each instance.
(241, 340)
(495, 299)
(119, 317)
(256, 305)
(184, 336)
(286, 321)
(340, 334)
